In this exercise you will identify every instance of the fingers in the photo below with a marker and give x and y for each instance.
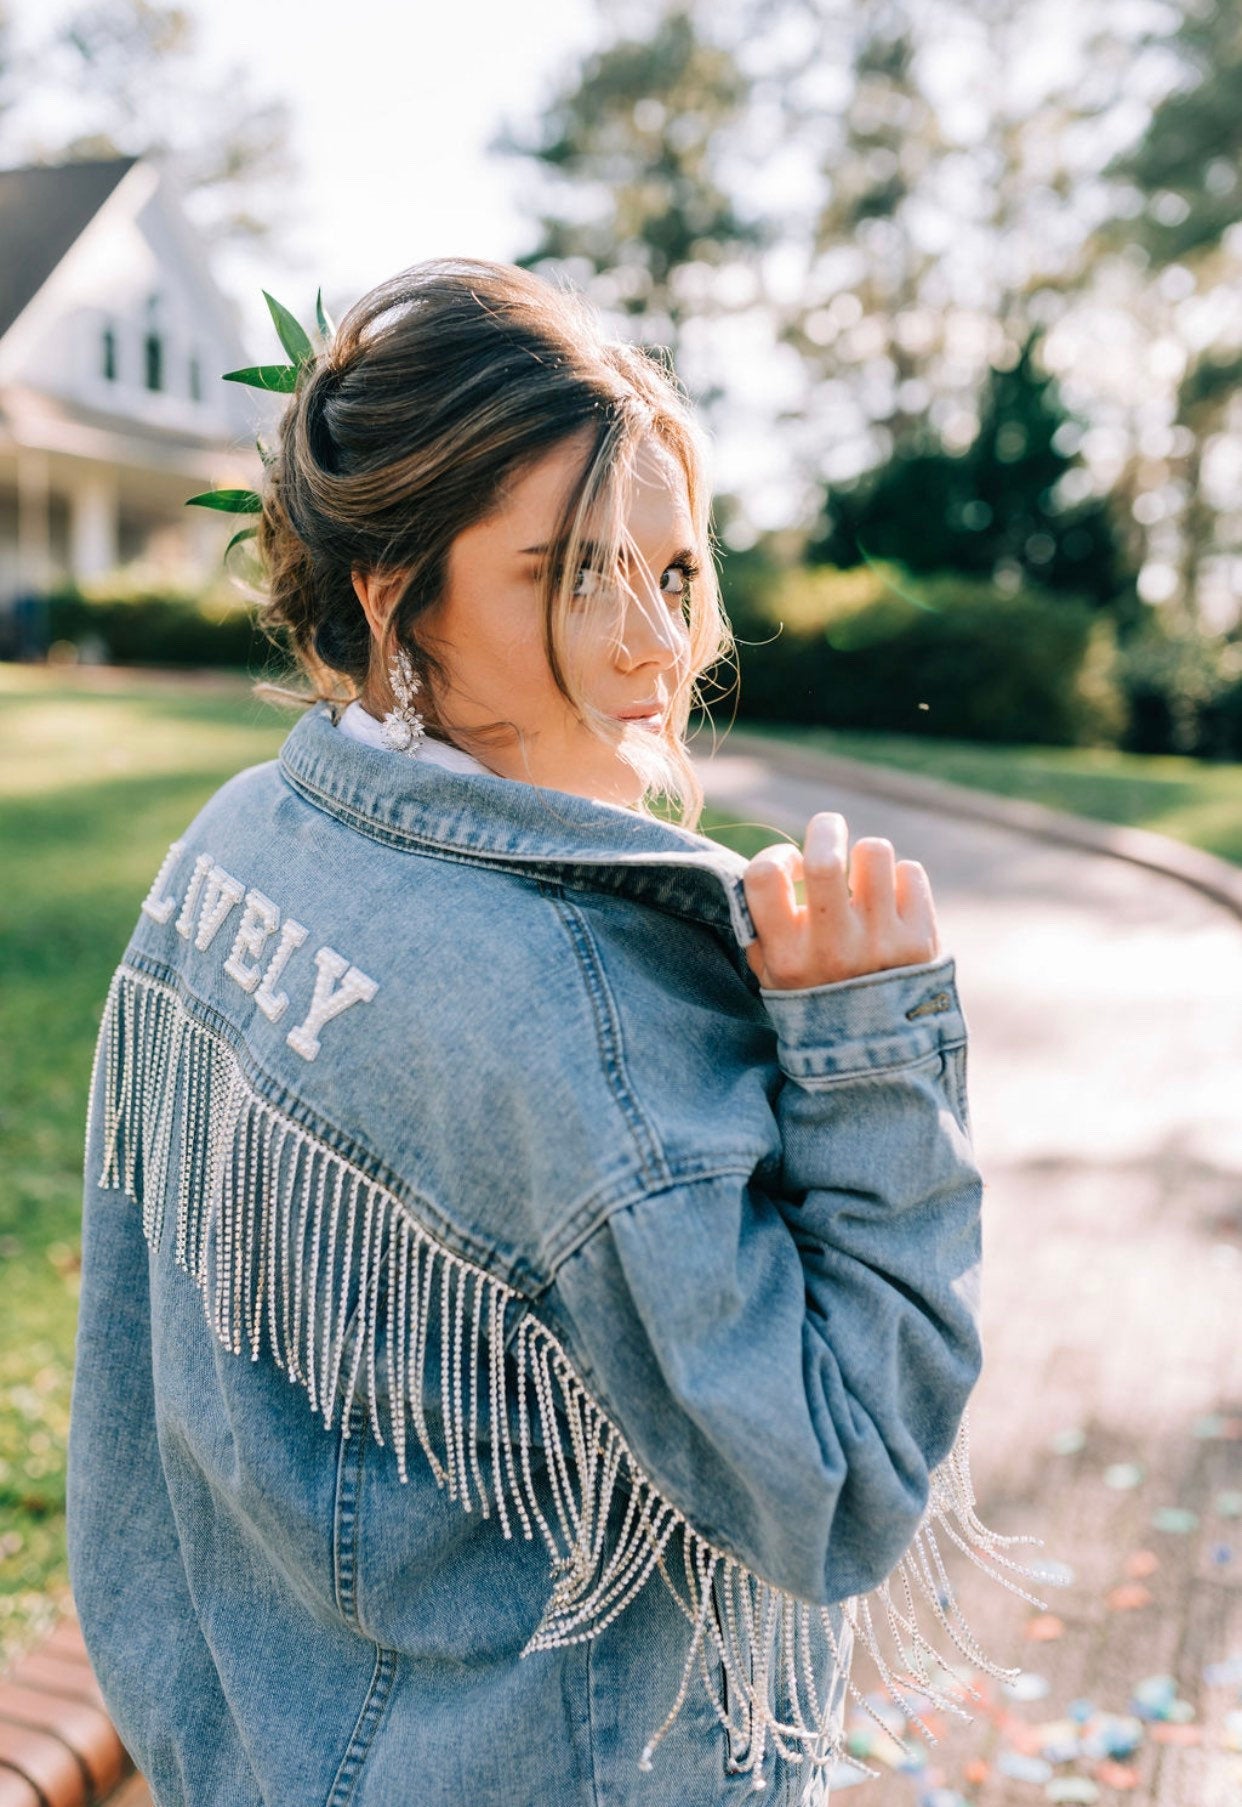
(825, 864)
(769, 882)
(864, 909)
(915, 904)
(912, 889)
(873, 882)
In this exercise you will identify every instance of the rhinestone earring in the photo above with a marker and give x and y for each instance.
(403, 726)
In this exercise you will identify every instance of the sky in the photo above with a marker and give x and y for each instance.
(391, 125)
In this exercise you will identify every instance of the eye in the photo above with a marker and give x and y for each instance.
(596, 580)
(593, 587)
(689, 569)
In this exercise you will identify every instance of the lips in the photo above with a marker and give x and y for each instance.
(653, 714)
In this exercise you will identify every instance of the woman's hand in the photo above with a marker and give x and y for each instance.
(884, 916)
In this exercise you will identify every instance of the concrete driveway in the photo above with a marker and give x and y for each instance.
(1104, 1004)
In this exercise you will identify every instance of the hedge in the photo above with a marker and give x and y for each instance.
(159, 628)
(874, 647)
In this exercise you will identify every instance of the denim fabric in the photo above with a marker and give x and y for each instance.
(513, 1343)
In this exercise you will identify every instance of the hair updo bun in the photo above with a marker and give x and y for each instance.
(435, 390)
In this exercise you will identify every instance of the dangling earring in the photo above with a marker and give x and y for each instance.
(402, 728)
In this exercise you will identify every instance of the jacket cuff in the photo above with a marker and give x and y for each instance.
(867, 1023)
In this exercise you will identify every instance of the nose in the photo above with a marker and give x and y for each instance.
(652, 633)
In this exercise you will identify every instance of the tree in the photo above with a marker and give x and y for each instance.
(1186, 163)
(638, 211)
(992, 510)
(875, 152)
(1182, 177)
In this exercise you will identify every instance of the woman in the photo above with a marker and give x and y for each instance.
(615, 1212)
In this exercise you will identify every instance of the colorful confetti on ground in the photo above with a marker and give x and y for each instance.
(1138, 1733)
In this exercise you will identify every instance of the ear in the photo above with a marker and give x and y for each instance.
(367, 590)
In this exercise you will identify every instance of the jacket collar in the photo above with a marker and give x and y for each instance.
(493, 821)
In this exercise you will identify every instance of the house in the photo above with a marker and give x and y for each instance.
(113, 339)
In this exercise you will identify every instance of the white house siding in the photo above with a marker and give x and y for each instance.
(95, 472)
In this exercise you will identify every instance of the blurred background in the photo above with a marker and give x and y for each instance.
(956, 286)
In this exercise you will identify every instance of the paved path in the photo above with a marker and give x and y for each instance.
(1104, 1004)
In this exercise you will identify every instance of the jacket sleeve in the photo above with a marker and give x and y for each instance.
(788, 1363)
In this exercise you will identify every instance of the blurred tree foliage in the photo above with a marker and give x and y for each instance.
(698, 140)
(1186, 178)
(860, 328)
(632, 147)
(1187, 160)
(992, 510)
(900, 195)
(133, 70)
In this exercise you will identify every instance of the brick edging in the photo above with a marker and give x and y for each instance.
(1218, 879)
(58, 1747)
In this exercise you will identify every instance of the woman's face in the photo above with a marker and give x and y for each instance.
(488, 628)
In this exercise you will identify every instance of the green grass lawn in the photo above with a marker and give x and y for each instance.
(1191, 800)
(93, 787)
(98, 773)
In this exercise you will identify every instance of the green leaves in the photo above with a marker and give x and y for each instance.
(292, 335)
(229, 501)
(281, 377)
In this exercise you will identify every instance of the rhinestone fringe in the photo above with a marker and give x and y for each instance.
(274, 1191)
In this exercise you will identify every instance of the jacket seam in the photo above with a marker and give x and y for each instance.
(366, 1726)
(591, 1644)
(405, 840)
(671, 1183)
(345, 1517)
(700, 1523)
(861, 981)
(579, 1222)
(653, 1165)
(333, 805)
(819, 1082)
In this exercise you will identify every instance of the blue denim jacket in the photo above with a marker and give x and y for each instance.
(520, 1357)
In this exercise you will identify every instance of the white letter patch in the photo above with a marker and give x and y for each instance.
(221, 893)
(259, 922)
(354, 987)
(211, 895)
(158, 908)
(273, 1004)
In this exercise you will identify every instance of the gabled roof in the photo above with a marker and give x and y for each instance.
(43, 209)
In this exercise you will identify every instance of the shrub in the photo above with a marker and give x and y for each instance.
(874, 647)
(159, 627)
(1184, 689)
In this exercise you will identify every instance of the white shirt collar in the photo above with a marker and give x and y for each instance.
(361, 725)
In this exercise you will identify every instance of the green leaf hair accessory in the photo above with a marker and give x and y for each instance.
(230, 501)
(281, 379)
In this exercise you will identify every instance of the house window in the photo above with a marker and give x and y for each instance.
(108, 346)
(196, 379)
(154, 349)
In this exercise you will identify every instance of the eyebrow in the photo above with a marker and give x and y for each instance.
(591, 547)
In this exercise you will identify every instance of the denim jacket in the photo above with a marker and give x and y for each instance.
(521, 1359)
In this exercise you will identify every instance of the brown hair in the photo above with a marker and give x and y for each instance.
(436, 389)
